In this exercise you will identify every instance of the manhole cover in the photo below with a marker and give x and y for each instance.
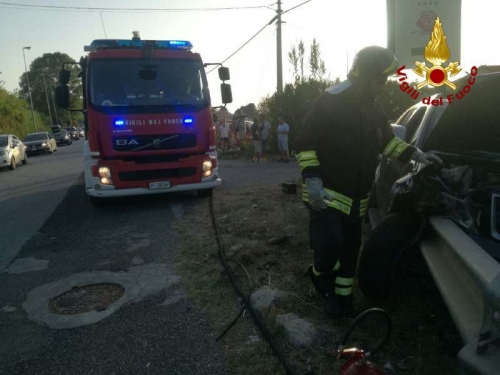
(87, 298)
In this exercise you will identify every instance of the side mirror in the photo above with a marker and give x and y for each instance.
(62, 96)
(64, 76)
(399, 131)
(226, 93)
(224, 74)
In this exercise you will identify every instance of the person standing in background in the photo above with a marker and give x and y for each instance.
(257, 140)
(264, 131)
(283, 130)
(224, 135)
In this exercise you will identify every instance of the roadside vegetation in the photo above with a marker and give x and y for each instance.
(15, 116)
(265, 233)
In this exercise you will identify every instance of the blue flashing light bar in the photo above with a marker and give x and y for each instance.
(119, 122)
(188, 120)
(126, 43)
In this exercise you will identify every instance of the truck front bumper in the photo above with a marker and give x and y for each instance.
(109, 191)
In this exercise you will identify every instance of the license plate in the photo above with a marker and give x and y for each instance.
(33, 148)
(159, 185)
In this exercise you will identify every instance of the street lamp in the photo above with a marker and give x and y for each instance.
(29, 89)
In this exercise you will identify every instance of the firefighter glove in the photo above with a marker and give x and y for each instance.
(426, 158)
(317, 194)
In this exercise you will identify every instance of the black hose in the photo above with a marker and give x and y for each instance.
(258, 320)
(363, 316)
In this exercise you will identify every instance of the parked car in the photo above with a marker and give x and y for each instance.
(37, 143)
(11, 151)
(61, 135)
(75, 135)
(450, 213)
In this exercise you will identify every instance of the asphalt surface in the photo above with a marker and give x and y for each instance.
(55, 233)
(237, 173)
(30, 193)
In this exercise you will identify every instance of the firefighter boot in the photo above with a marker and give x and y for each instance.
(324, 285)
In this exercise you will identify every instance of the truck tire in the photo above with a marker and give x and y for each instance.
(99, 202)
(382, 252)
(205, 192)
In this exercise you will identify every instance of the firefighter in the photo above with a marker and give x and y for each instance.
(343, 133)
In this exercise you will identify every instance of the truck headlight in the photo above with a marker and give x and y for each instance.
(105, 172)
(105, 181)
(207, 165)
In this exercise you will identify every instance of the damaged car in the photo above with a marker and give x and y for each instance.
(450, 213)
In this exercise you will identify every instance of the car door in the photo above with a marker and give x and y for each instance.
(19, 149)
(52, 141)
(14, 144)
(389, 171)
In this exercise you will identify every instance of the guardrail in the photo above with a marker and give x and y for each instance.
(469, 281)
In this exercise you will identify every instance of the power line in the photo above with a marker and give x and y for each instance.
(248, 41)
(99, 9)
(258, 32)
(102, 21)
(305, 2)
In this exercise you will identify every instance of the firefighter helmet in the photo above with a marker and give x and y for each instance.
(373, 62)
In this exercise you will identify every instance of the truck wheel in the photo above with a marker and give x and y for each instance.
(205, 192)
(99, 202)
(382, 251)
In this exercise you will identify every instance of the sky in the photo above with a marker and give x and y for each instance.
(341, 27)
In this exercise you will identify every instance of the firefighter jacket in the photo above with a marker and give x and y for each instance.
(340, 141)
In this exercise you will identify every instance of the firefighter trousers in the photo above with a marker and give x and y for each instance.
(335, 239)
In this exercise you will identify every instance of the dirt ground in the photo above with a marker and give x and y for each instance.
(424, 339)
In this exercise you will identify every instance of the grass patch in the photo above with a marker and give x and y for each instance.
(424, 340)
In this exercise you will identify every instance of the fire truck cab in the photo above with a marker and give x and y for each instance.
(148, 118)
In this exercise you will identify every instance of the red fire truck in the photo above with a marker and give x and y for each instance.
(148, 118)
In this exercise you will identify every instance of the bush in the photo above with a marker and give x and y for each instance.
(15, 116)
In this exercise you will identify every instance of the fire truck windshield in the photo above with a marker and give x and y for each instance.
(165, 85)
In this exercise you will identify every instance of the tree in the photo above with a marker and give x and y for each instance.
(249, 110)
(316, 65)
(1, 82)
(15, 115)
(296, 58)
(294, 102)
(47, 66)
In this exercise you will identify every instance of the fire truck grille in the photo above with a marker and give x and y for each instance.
(154, 142)
(156, 174)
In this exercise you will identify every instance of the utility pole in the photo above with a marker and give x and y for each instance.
(47, 96)
(29, 88)
(54, 104)
(279, 50)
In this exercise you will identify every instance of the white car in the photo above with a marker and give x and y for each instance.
(11, 151)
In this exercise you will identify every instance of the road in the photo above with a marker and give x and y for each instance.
(55, 241)
(29, 194)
